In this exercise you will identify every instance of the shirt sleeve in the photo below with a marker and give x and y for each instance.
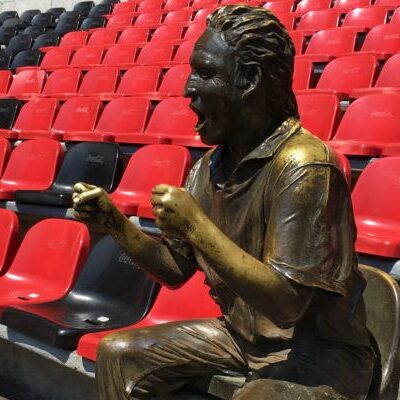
(310, 230)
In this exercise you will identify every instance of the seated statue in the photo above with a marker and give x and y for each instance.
(267, 215)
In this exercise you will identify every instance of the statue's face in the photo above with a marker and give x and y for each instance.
(215, 98)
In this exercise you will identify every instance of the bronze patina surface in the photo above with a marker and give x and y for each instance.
(267, 216)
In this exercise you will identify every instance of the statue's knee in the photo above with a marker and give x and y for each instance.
(113, 346)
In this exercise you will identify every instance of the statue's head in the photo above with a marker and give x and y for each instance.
(242, 69)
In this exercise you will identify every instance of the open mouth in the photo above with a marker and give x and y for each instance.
(201, 119)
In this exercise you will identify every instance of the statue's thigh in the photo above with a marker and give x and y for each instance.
(270, 389)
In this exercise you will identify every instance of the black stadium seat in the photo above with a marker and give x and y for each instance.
(93, 22)
(111, 292)
(95, 163)
(46, 20)
(46, 39)
(34, 30)
(84, 7)
(25, 58)
(100, 9)
(67, 24)
(19, 43)
(56, 11)
(26, 17)
(109, 2)
(5, 60)
(13, 22)
(9, 109)
(6, 34)
(7, 15)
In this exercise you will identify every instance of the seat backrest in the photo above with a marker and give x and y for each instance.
(93, 23)
(319, 20)
(134, 35)
(29, 81)
(119, 55)
(148, 19)
(285, 6)
(7, 15)
(303, 70)
(172, 5)
(371, 118)
(167, 33)
(201, 4)
(46, 39)
(5, 151)
(58, 57)
(84, 7)
(202, 14)
(124, 115)
(56, 11)
(124, 8)
(9, 231)
(389, 76)
(87, 56)
(100, 9)
(382, 300)
(319, 113)
(25, 58)
(5, 80)
(194, 31)
(74, 39)
(149, 5)
(99, 80)
(34, 30)
(184, 51)
(26, 17)
(298, 40)
(44, 19)
(175, 80)
(312, 5)
(37, 114)
(351, 4)
(156, 52)
(120, 21)
(103, 37)
(396, 17)
(9, 110)
(6, 34)
(383, 38)
(178, 16)
(52, 253)
(366, 17)
(140, 79)
(78, 114)
(350, 72)
(94, 163)
(19, 43)
(67, 24)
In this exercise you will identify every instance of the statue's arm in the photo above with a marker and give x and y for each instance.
(93, 203)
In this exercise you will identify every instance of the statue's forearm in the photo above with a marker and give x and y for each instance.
(255, 281)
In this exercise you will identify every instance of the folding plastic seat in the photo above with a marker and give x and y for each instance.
(103, 37)
(124, 8)
(120, 22)
(121, 56)
(74, 40)
(148, 167)
(87, 57)
(47, 39)
(6, 78)
(93, 23)
(282, 6)
(157, 53)
(7, 15)
(35, 119)
(388, 80)
(344, 74)
(99, 80)
(305, 6)
(201, 15)
(70, 15)
(27, 84)
(382, 41)
(302, 75)
(369, 124)
(84, 7)
(94, 163)
(388, 4)
(100, 9)
(149, 5)
(148, 19)
(199, 4)
(9, 231)
(328, 44)
(315, 21)
(169, 306)
(178, 17)
(375, 198)
(56, 58)
(347, 5)
(32, 166)
(194, 31)
(319, 113)
(77, 116)
(5, 151)
(112, 2)
(111, 292)
(47, 263)
(26, 17)
(184, 51)
(9, 110)
(19, 43)
(137, 81)
(26, 58)
(134, 36)
(298, 41)
(12, 22)
(174, 122)
(172, 5)
(46, 20)
(34, 30)
(56, 11)
(66, 25)
(395, 17)
(363, 19)
(62, 84)
(167, 33)
(287, 20)
(6, 34)
(5, 60)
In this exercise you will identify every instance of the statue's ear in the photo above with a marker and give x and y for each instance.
(252, 80)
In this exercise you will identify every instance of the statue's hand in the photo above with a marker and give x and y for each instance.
(93, 203)
(177, 212)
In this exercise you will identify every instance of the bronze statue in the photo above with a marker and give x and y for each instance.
(267, 216)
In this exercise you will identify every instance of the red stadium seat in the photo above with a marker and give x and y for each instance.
(328, 44)
(178, 17)
(315, 21)
(282, 6)
(120, 22)
(167, 33)
(184, 51)
(172, 5)
(56, 58)
(388, 80)
(74, 40)
(157, 53)
(369, 124)
(134, 36)
(303, 70)
(376, 197)
(287, 20)
(103, 38)
(201, 4)
(396, 17)
(120, 55)
(87, 57)
(305, 6)
(319, 113)
(27, 84)
(388, 4)
(202, 14)
(345, 74)
(347, 5)
(345, 167)
(5, 151)
(148, 167)
(99, 80)
(77, 116)
(32, 166)
(194, 31)
(298, 41)
(36, 119)
(47, 263)
(9, 231)
(5, 80)
(124, 8)
(364, 19)
(62, 83)
(148, 19)
(149, 5)
(170, 306)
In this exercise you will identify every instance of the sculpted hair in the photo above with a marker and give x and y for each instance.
(260, 41)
